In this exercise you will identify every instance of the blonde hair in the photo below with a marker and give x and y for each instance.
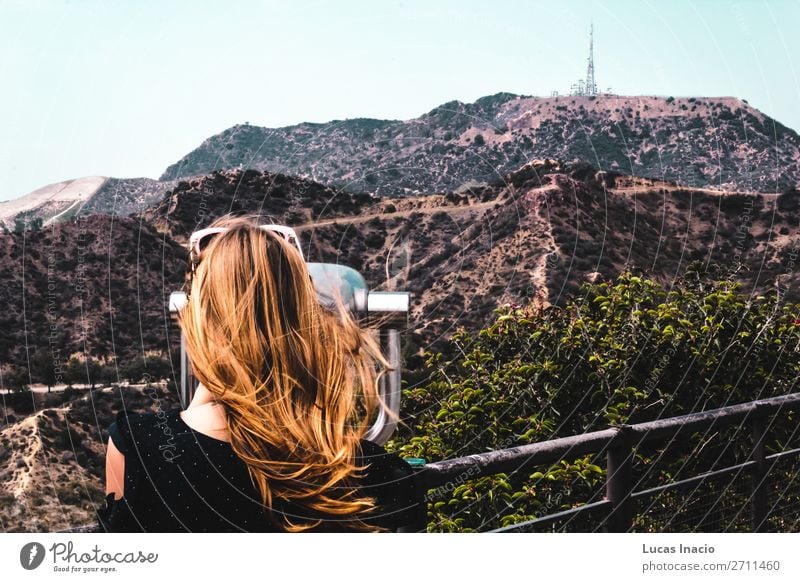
(298, 382)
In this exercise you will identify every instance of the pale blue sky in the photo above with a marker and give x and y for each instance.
(125, 88)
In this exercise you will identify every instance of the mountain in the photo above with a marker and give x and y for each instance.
(51, 201)
(495, 225)
(703, 142)
(194, 203)
(64, 201)
(538, 233)
(718, 142)
(126, 196)
(98, 285)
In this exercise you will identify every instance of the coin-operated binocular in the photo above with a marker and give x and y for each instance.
(385, 311)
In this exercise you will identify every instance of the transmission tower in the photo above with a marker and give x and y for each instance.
(591, 86)
(587, 86)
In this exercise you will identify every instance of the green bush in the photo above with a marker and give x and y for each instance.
(624, 351)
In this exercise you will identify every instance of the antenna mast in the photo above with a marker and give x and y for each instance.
(591, 86)
(587, 86)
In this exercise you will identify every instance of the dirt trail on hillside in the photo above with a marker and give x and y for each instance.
(647, 189)
(638, 189)
(401, 214)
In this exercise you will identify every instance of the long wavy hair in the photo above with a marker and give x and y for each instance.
(297, 380)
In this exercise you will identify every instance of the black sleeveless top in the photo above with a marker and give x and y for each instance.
(181, 480)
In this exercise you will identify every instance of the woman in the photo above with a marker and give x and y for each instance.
(272, 438)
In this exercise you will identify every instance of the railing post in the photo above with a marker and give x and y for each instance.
(759, 475)
(619, 481)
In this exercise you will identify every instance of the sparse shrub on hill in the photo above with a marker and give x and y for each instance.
(147, 369)
(81, 370)
(374, 240)
(789, 200)
(44, 367)
(16, 378)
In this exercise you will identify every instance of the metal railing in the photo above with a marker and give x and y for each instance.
(616, 511)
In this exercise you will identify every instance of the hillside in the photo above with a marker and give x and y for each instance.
(703, 142)
(196, 202)
(52, 454)
(65, 201)
(98, 284)
(52, 200)
(538, 233)
(535, 235)
(126, 196)
(718, 142)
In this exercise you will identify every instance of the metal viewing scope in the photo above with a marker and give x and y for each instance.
(385, 311)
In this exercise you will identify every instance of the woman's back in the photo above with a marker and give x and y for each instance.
(297, 379)
(179, 479)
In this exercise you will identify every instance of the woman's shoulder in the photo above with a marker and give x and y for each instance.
(130, 427)
(132, 419)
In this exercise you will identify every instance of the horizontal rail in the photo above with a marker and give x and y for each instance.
(512, 459)
(667, 427)
(677, 485)
(604, 505)
(776, 456)
(710, 475)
